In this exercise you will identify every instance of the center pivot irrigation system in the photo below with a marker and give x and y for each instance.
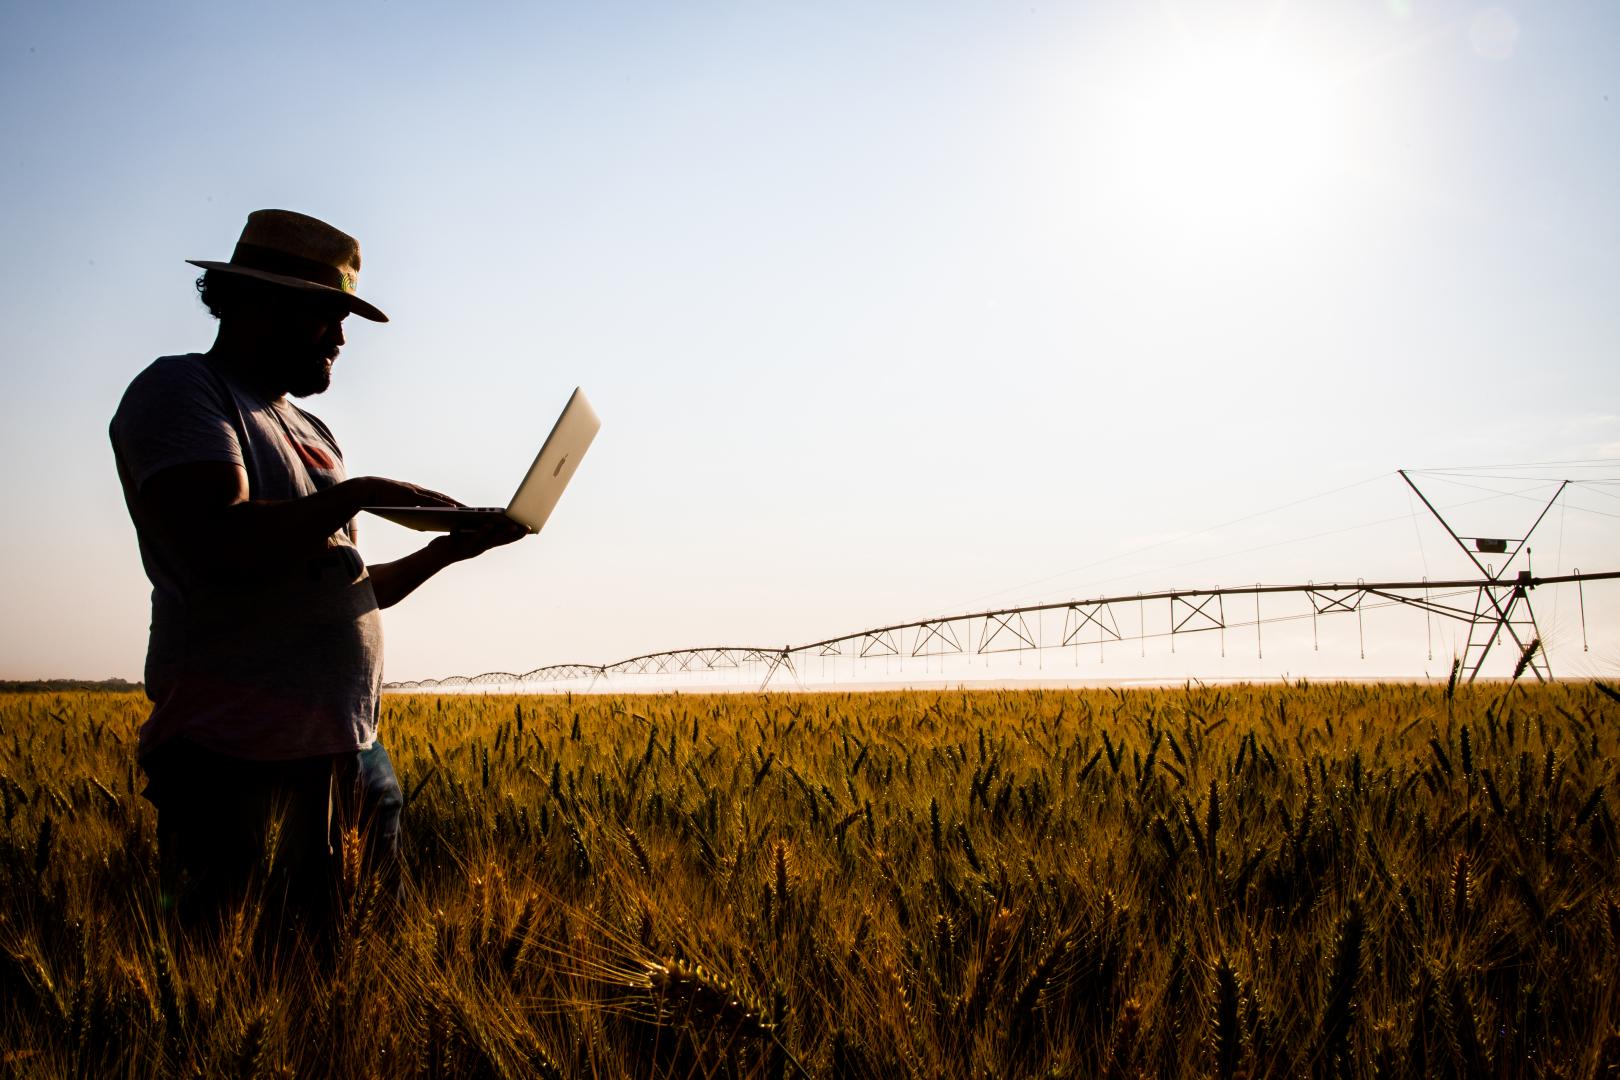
(1496, 606)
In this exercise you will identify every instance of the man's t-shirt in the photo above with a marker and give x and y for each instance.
(268, 665)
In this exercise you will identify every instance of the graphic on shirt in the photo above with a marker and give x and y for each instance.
(313, 456)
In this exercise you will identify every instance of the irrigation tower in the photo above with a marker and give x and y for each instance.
(1495, 603)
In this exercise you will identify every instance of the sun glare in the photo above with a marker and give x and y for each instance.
(1239, 135)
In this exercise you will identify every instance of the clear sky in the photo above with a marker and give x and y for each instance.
(889, 309)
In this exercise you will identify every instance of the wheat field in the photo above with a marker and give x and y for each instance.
(1277, 880)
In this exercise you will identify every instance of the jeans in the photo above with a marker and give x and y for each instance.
(273, 832)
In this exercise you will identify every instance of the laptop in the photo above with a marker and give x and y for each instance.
(542, 486)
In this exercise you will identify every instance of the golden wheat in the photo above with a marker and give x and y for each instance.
(1243, 880)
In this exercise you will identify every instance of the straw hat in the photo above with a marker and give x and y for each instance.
(300, 252)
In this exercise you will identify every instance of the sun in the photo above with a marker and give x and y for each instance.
(1233, 132)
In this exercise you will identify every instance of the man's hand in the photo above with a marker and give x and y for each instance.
(393, 582)
(380, 491)
(203, 510)
(471, 543)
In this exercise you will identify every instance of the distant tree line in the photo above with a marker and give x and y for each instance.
(51, 686)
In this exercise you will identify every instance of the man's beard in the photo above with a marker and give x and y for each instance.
(311, 378)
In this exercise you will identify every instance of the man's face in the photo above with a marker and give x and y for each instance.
(310, 333)
(296, 335)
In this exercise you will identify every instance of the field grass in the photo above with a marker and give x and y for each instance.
(1244, 881)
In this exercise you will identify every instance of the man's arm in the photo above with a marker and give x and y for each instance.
(203, 509)
(394, 581)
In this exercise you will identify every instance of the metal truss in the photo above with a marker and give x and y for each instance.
(877, 643)
(1500, 615)
(1098, 615)
(1197, 611)
(1502, 605)
(936, 639)
(1500, 609)
(1006, 631)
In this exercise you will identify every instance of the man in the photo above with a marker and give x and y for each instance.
(265, 658)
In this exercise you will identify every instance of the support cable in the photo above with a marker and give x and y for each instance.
(1259, 646)
(1558, 565)
(1296, 540)
(1361, 627)
(1580, 590)
(1581, 463)
(1428, 619)
(1177, 539)
(1525, 496)
(1316, 636)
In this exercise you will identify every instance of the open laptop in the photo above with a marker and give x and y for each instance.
(542, 486)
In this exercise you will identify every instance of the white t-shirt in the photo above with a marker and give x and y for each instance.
(272, 665)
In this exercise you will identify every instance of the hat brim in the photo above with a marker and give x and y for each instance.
(351, 301)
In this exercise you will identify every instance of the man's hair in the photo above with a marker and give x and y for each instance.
(220, 292)
(223, 292)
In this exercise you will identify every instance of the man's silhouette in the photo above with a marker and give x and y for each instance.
(265, 659)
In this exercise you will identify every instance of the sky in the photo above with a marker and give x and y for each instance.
(889, 310)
